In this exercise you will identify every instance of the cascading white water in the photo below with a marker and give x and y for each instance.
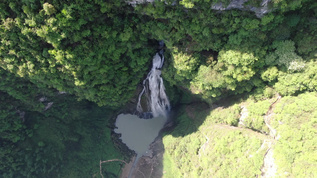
(137, 133)
(154, 89)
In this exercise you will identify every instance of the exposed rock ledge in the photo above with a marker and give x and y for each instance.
(234, 4)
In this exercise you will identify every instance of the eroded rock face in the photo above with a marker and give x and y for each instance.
(136, 2)
(269, 168)
(234, 4)
(49, 105)
(240, 4)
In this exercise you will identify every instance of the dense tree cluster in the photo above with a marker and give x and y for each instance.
(101, 50)
(67, 140)
(238, 51)
(91, 49)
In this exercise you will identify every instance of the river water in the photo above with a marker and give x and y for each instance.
(138, 133)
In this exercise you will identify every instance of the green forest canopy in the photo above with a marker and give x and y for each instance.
(100, 51)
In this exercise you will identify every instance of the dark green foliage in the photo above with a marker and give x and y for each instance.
(24, 90)
(12, 131)
(100, 51)
(67, 140)
(73, 48)
(294, 83)
(250, 52)
(231, 72)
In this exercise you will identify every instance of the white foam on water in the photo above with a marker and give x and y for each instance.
(154, 88)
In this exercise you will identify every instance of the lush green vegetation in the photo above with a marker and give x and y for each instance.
(67, 140)
(99, 52)
(296, 124)
(209, 142)
(212, 148)
(89, 49)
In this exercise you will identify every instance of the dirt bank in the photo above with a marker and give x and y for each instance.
(126, 169)
(150, 165)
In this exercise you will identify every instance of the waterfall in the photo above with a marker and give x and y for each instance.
(154, 90)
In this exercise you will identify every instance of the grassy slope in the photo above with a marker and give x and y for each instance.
(295, 120)
(203, 144)
(212, 148)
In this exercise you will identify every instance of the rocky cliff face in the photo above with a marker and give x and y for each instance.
(234, 4)
(242, 5)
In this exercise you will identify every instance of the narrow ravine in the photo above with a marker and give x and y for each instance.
(139, 131)
(269, 168)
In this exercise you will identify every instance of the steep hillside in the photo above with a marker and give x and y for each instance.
(228, 141)
(67, 67)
